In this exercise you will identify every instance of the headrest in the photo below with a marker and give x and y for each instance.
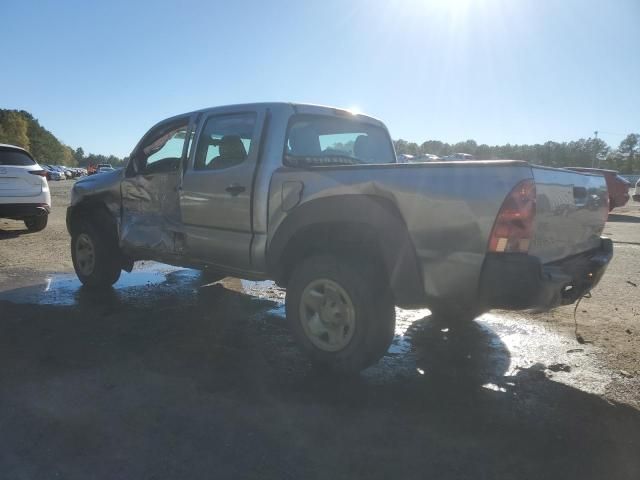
(231, 146)
(362, 147)
(304, 141)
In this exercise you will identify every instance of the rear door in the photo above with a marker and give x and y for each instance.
(215, 197)
(15, 179)
(571, 210)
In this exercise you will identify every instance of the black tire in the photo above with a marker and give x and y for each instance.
(107, 263)
(36, 224)
(372, 303)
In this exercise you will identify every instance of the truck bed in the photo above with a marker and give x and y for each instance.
(450, 208)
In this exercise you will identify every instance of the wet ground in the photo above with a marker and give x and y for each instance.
(166, 376)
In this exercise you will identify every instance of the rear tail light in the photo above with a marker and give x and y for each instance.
(513, 228)
(40, 173)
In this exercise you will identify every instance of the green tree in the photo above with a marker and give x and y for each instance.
(78, 155)
(14, 129)
(628, 153)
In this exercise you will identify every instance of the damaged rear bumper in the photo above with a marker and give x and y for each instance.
(520, 281)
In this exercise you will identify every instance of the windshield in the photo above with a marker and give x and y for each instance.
(314, 140)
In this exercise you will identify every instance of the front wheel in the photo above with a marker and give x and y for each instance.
(342, 313)
(36, 224)
(95, 256)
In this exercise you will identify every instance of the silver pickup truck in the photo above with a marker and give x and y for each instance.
(312, 198)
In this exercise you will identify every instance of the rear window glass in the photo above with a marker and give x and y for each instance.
(15, 158)
(314, 140)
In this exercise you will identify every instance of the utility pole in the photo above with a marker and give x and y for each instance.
(595, 154)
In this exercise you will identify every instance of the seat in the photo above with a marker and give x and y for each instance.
(304, 142)
(231, 152)
(362, 148)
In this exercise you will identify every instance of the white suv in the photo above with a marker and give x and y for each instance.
(24, 191)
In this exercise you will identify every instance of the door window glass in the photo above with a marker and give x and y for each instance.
(163, 152)
(225, 141)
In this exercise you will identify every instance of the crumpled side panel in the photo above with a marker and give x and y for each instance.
(151, 213)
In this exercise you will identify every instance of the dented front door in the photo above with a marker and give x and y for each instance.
(150, 220)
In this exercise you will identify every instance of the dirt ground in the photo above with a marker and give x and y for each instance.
(167, 377)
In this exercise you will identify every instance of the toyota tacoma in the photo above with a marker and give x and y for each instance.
(312, 198)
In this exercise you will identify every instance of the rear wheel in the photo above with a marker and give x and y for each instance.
(96, 257)
(36, 224)
(341, 312)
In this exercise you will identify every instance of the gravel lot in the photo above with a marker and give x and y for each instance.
(165, 377)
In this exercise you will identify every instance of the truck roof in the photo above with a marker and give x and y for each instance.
(303, 108)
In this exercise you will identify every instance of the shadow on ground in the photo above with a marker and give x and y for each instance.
(180, 380)
(4, 233)
(618, 217)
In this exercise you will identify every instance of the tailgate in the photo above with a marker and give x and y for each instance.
(571, 210)
(18, 182)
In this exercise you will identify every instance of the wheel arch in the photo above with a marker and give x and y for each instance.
(360, 225)
(95, 210)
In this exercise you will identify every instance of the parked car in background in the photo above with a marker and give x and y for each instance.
(404, 158)
(425, 157)
(636, 193)
(104, 168)
(24, 191)
(52, 173)
(313, 198)
(617, 186)
(458, 157)
(67, 171)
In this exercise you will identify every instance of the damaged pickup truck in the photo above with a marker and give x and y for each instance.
(312, 198)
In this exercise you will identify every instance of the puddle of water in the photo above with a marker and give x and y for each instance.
(497, 346)
(66, 289)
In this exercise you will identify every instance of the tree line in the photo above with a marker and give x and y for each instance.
(18, 127)
(580, 153)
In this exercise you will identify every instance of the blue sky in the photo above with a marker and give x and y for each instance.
(99, 75)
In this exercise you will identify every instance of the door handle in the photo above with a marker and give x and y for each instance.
(235, 189)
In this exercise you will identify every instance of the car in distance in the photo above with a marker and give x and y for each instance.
(459, 157)
(102, 168)
(52, 173)
(617, 186)
(313, 198)
(64, 170)
(24, 191)
(425, 157)
(636, 193)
